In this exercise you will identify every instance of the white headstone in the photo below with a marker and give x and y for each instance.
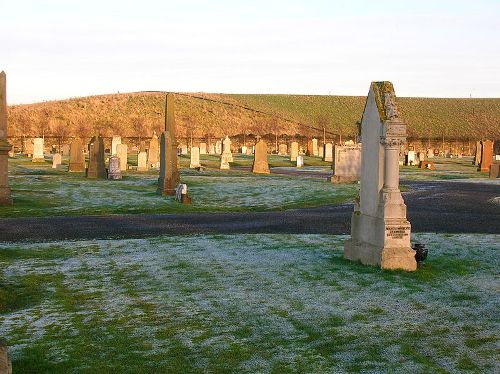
(346, 164)
(224, 161)
(203, 148)
(218, 147)
(411, 158)
(315, 147)
(38, 150)
(294, 151)
(300, 161)
(142, 161)
(226, 149)
(117, 139)
(122, 154)
(244, 150)
(56, 160)
(195, 158)
(328, 152)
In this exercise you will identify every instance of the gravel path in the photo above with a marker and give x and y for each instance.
(437, 206)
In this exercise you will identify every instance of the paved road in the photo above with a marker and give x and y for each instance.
(446, 206)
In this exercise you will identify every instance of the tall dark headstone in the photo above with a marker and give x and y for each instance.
(96, 169)
(169, 173)
(260, 164)
(76, 156)
(5, 147)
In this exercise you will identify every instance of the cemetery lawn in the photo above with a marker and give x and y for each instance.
(445, 169)
(269, 303)
(39, 190)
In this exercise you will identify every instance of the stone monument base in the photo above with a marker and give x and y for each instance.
(380, 243)
(344, 179)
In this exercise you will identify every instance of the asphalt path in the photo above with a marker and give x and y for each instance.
(433, 206)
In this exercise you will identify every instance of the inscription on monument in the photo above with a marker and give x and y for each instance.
(397, 232)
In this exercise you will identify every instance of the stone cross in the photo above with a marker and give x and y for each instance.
(380, 232)
(169, 173)
(96, 169)
(76, 156)
(260, 164)
(5, 147)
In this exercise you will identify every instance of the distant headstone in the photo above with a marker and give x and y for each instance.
(477, 154)
(294, 151)
(56, 160)
(38, 150)
(195, 158)
(260, 164)
(226, 148)
(249, 150)
(169, 172)
(65, 150)
(315, 147)
(211, 149)
(122, 154)
(486, 156)
(142, 161)
(495, 170)
(76, 156)
(5, 147)
(282, 149)
(184, 149)
(154, 151)
(96, 169)
(244, 150)
(203, 148)
(28, 147)
(300, 161)
(420, 157)
(310, 148)
(114, 142)
(114, 171)
(328, 152)
(346, 164)
(410, 158)
(224, 161)
(321, 151)
(380, 232)
(218, 147)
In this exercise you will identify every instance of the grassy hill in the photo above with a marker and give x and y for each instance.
(138, 114)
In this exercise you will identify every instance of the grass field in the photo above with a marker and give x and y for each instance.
(246, 304)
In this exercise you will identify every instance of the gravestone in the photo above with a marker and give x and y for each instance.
(315, 147)
(122, 154)
(495, 170)
(310, 148)
(420, 157)
(328, 152)
(218, 147)
(244, 150)
(380, 232)
(184, 149)
(154, 151)
(203, 148)
(195, 158)
(249, 150)
(114, 171)
(96, 169)
(410, 158)
(294, 151)
(38, 150)
(142, 161)
(224, 161)
(65, 150)
(346, 164)
(76, 156)
(226, 149)
(260, 164)
(117, 139)
(5, 147)
(56, 160)
(430, 153)
(282, 149)
(321, 152)
(477, 154)
(28, 147)
(211, 149)
(169, 173)
(300, 161)
(486, 156)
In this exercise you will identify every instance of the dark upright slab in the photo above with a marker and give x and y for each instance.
(76, 156)
(96, 169)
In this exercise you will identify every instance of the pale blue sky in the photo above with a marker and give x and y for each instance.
(59, 49)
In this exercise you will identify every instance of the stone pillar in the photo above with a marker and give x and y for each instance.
(169, 173)
(5, 147)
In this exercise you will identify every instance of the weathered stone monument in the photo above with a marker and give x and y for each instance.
(410, 158)
(117, 139)
(300, 161)
(328, 152)
(76, 156)
(211, 149)
(294, 151)
(5, 147)
(226, 149)
(380, 232)
(346, 164)
(486, 156)
(114, 171)
(310, 148)
(260, 164)
(28, 147)
(56, 160)
(142, 161)
(224, 162)
(122, 154)
(38, 152)
(203, 148)
(96, 169)
(169, 173)
(218, 147)
(477, 154)
(65, 150)
(282, 149)
(195, 158)
(430, 153)
(154, 151)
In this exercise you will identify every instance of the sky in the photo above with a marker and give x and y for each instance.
(57, 49)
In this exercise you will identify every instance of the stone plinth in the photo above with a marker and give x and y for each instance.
(294, 151)
(346, 164)
(260, 164)
(114, 142)
(142, 161)
(154, 152)
(38, 150)
(5, 147)
(96, 169)
(328, 152)
(486, 156)
(169, 173)
(380, 232)
(195, 158)
(76, 156)
(122, 154)
(56, 160)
